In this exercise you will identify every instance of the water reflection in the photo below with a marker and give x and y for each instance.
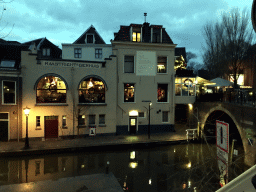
(184, 167)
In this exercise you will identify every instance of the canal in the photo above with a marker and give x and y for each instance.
(182, 167)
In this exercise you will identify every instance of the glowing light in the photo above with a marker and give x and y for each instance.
(150, 104)
(133, 165)
(83, 116)
(133, 113)
(132, 155)
(90, 84)
(174, 150)
(82, 166)
(26, 110)
(149, 181)
(190, 106)
(189, 165)
(251, 93)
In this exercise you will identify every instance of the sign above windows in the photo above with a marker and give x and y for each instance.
(70, 64)
(146, 63)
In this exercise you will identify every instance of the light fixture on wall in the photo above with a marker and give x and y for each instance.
(158, 111)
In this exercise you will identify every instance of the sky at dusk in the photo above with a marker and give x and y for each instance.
(63, 21)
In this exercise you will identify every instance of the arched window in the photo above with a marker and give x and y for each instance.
(92, 90)
(51, 89)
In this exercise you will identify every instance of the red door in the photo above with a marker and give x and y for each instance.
(51, 126)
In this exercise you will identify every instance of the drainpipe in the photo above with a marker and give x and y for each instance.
(72, 74)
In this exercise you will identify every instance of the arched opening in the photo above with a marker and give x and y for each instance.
(92, 90)
(51, 89)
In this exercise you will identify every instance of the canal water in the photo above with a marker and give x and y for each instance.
(182, 167)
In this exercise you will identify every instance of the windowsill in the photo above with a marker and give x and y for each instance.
(95, 104)
(92, 125)
(129, 72)
(129, 102)
(51, 104)
(64, 127)
(161, 102)
(162, 73)
(81, 126)
(102, 125)
(38, 128)
(165, 122)
(9, 104)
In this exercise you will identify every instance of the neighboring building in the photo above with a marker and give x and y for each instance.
(88, 47)
(11, 91)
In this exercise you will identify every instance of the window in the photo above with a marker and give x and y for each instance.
(129, 92)
(78, 52)
(38, 121)
(102, 119)
(7, 64)
(156, 35)
(81, 120)
(141, 114)
(92, 119)
(161, 64)
(162, 93)
(136, 36)
(92, 90)
(9, 92)
(46, 52)
(98, 53)
(89, 38)
(165, 116)
(51, 89)
(185, 86)
(129, 64)
(64, 121)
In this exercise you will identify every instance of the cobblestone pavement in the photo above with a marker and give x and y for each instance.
(55, 145)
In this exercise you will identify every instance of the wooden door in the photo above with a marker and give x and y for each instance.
(4, 123)
(133, 125)
(51, 126)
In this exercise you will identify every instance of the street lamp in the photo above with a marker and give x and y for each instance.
(26, 111)
(148, 117)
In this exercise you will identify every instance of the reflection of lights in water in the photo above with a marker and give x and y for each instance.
(184, 186)
(133, 165)
(149, 181)
(174, 150)
(189, 184)
(82, 166)
(132, 155)
(189, 165)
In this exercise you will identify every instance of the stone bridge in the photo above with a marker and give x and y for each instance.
(239, 117)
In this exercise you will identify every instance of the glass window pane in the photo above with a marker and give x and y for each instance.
(91, 119)
(129, 92)
(3, 115)
(161, 64)
(165, 116)
(9, 92)
(162, 93)
(89, 38)
(129, 64)
(7, 63)
(101, 119)
(178, 89)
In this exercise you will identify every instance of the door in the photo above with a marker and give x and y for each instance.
(51, 126)
(4, 124)
(133, 125)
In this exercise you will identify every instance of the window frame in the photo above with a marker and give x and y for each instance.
(15, 93)
(46, 52)
(100, 115)
(98, 55)
(81, 118)
(77, 54)
(38, 121)
(131, 84)
(133, 64)
(136, 36)
(167, 93)
(92, 38)
(166, 112)
(94, 119)
(143, 114)
(166, 65)
(64, 121)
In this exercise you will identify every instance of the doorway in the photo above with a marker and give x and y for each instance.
(132, 125)
(4, 124)
(51, 126)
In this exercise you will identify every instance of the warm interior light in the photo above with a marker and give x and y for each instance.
(189, 165)
(133, 113)
(133, 165)
(132, 155)
(190, 106)
(149, 181)
(26, 110)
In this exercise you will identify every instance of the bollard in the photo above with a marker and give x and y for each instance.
(107, 168)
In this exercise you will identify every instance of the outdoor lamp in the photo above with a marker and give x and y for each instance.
(26, 111)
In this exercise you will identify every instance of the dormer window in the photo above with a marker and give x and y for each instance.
(136, 35)
(89, 38)
(156, 37)
(46, 52)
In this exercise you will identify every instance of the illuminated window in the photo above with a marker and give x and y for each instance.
(9, 92)
(136, 36)
(78, 52)
(129, 92)
(129, 64)
(51, 89)
(46, 52)
(240, 79)
(185, 86)
(161, 64)
(92, 90)
(162, 93)
(98, 53)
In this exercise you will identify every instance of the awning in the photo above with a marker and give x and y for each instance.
(221, 82)
(203, 81)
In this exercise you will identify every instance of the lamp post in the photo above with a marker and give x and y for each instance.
(148, 117)
(26, 111)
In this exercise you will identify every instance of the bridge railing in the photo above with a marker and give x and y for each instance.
(238, 96)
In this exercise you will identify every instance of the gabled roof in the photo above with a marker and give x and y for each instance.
(37, 42)
(90, 30)
(124, 33)
(9, 42)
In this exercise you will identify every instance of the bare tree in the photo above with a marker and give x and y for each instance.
(4, 9)
(227, 43)
(190, 55)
